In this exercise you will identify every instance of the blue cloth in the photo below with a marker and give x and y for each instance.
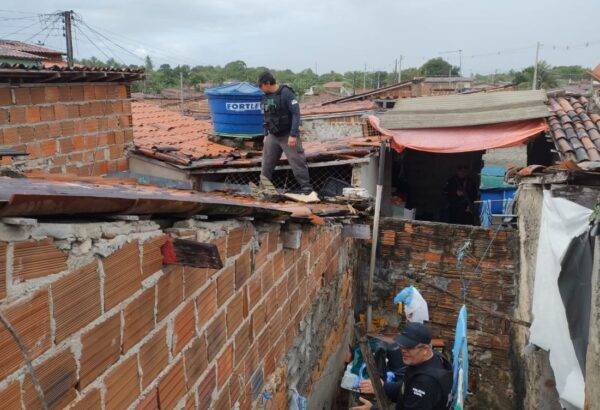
(405, 296)
(460, 356)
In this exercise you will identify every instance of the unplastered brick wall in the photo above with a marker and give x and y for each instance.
(78, 128)
(107, 325)
(429, 250)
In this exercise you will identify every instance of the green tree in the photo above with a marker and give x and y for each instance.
(545, 78)
(438, 67)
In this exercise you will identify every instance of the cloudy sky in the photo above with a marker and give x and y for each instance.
(336, 35)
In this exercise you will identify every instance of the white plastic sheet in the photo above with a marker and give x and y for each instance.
(561, 221)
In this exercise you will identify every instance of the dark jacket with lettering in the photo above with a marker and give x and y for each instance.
(425, 387)
(282, 112)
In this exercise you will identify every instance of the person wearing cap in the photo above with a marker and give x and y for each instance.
(427, 382)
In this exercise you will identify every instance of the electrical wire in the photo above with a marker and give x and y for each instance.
(106, 38)
(103, 43)
(77, 27)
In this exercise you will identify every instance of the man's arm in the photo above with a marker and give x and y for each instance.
(422, 394)
(294, 108)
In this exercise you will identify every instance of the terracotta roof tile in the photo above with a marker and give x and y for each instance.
(574, 130)
(186, 138)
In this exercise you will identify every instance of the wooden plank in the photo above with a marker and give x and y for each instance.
(369, 359)
(192, 253)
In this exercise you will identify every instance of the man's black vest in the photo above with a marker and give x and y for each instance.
(442, 375)
(278, 120)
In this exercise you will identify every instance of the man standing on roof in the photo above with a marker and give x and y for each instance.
(282, 123)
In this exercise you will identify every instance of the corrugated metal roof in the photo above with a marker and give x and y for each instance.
(465, 110)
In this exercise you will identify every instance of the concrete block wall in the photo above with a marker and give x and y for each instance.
(106, 325)
(430, 249)
(79, 128)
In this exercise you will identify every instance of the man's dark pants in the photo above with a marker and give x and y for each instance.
(273, 147)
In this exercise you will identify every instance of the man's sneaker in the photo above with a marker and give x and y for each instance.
(303, 197)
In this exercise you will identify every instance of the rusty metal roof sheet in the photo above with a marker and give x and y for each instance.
(68, 196)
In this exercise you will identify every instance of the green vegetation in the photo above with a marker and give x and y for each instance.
(201, 77)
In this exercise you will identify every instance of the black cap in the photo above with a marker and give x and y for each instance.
(413, 334)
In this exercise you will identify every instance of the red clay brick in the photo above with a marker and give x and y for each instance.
(225, 284)
(172, 387)
(242, 269)
(223, 402)
(76, 92)
(34, 259)
(216, 335)
(90, 401)
(152, 256)
(258, 319)
(48, 148)
(57, 377)
(184, 327)
(207, 304)
(273, 240)
(31, 319)
(122, 274)
(260, 256)
(22, 96)
(52, 94)
(154, 356)
(32, 114)
(149, 402)
(10, 397)
(101, 347)
(25, 134)
(224, 366)
(267, 277)
(122, 384)
(221, 244)
(2, 270)
(5, 96)
(195, 360)
(236, 239)
(76, 300)
(3, 116)
(170, 291)
(17, 115)
(11, 136)
(206, 388)
(243, 341)
(139, 319)
(254, 290)
(235, 313)
(195, 278)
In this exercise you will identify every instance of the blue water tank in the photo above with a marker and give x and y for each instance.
(235, 110)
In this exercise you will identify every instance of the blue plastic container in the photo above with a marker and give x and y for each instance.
(235, 110)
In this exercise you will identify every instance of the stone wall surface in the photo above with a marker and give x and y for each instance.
(428, 252)
(107, 325)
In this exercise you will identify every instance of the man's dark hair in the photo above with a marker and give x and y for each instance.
(266, 78)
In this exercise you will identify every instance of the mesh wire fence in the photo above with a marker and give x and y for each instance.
(284, 178)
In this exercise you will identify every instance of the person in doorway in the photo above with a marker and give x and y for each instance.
(282, 123)
(427, 382)
(460, 192)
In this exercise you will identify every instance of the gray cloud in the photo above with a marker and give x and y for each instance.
(336, 35)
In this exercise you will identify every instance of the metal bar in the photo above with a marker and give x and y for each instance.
(378, 193)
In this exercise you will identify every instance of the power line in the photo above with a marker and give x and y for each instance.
(77, 27)
(108, 39)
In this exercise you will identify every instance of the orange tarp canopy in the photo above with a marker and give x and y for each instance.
(463, 139)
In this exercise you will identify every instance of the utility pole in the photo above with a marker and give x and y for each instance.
(365, 77)
(460, 62)
(396, 70)
(535, 67)
(181, 90)
(400, 70)
(67, 17)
